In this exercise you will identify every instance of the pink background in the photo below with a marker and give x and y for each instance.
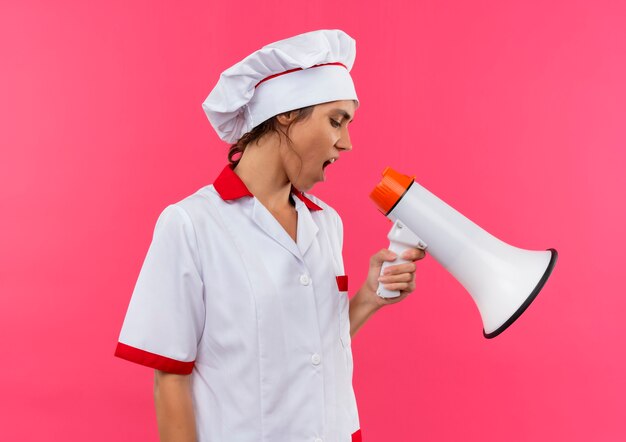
(512, 112)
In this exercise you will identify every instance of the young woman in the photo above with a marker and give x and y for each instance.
(241, 305)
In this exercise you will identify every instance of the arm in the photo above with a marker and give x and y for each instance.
(400, 277)
(174, 407)
(361, 308)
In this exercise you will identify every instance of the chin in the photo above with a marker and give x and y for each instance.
(305, 187)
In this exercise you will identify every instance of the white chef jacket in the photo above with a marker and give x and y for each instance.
(260, 321)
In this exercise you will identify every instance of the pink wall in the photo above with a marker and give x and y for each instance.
(512, 112)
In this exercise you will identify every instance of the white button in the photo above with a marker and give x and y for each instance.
(304, 280)
(316, 359)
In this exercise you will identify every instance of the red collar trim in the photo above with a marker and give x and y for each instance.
(230, 187)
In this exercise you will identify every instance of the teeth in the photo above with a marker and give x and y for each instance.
(332, 160)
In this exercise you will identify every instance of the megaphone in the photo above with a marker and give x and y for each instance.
(503, 280)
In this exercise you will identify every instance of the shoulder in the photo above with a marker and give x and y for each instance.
(196, 205)
(186, 214)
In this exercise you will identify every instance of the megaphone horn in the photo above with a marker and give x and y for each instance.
(502, 279)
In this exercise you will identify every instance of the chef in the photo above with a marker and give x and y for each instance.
(241, 305)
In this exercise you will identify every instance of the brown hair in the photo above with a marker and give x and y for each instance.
(270, 125)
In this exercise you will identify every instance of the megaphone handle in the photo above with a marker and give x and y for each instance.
(401, 238)
(398, 248)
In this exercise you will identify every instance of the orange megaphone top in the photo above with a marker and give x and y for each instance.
(390, 190)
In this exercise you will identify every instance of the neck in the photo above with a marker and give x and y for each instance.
(261, 170)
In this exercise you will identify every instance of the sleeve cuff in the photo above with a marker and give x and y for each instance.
(152, 360)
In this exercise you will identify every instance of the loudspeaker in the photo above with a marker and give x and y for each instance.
(502, 279)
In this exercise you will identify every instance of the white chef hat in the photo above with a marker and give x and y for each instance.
(299, 71)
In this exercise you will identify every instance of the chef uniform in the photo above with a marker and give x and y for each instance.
(259, 321)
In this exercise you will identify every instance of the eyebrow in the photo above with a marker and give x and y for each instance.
(343, 113)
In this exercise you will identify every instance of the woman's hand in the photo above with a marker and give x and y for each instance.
(396, 277)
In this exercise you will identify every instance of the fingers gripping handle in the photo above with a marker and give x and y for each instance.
(400, 239)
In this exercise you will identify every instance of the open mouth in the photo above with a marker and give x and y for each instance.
(326, 163)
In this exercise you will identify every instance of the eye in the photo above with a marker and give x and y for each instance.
(334, 123)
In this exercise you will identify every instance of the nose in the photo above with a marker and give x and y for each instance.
(344, 142)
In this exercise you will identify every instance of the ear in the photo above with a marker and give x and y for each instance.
(286, 117)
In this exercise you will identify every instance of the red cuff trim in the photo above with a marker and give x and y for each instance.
(356, 437)
(152, 360)
(342, 283)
